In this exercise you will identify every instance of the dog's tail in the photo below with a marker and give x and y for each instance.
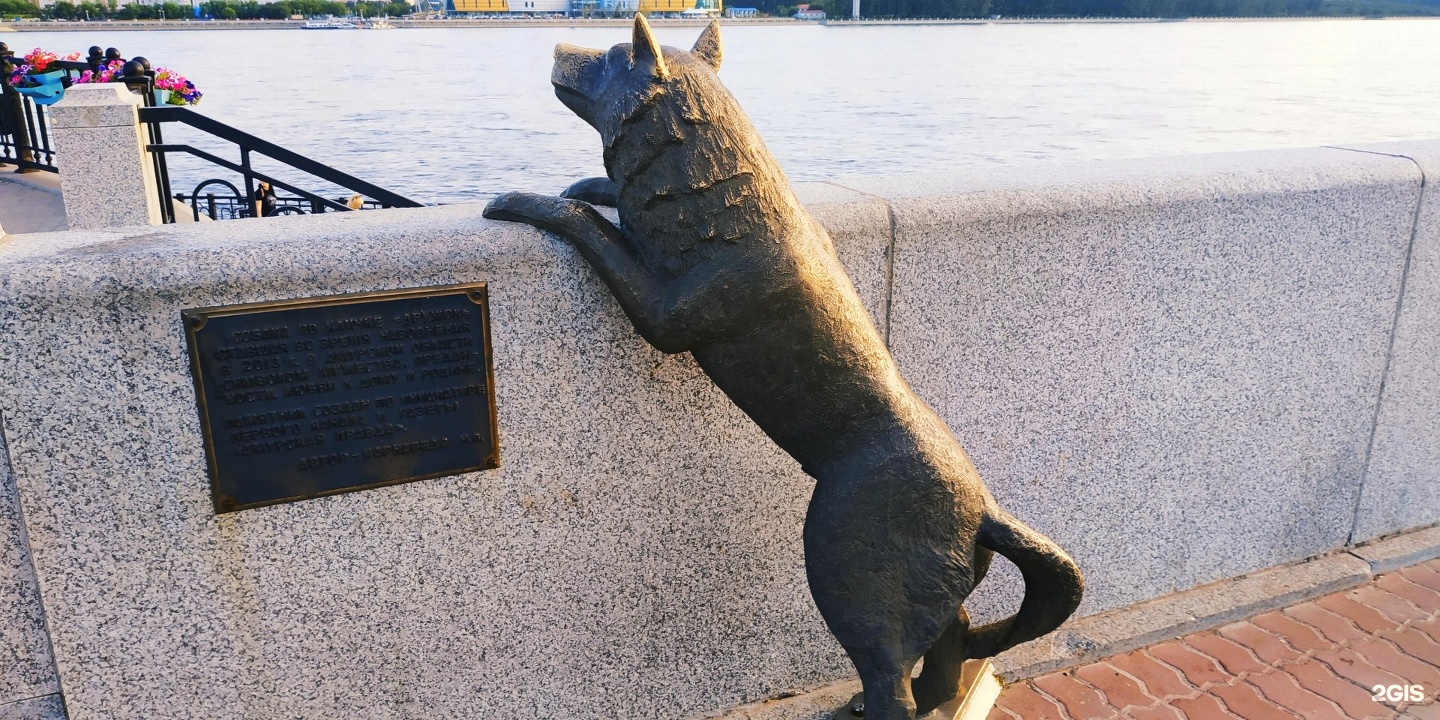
(1053, 586)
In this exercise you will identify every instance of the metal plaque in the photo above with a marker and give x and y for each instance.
(311, 397)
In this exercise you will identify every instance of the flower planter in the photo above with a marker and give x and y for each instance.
(43, 94)
(48, 78)
(47, 88)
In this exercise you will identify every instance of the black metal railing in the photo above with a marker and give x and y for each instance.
(24, 133)
(260, 196)
(221, 200)
(26, 141)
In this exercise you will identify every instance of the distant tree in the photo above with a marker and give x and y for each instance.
(915, 8)
(17, 8)
(228, 13)
(60, 10)
(374, 8)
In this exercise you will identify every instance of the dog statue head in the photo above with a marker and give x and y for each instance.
(608, 88)
(691, 173)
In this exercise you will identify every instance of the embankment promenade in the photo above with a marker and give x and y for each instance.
(128, 25)
(1186, 370)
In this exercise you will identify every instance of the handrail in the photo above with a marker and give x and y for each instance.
(76, 65)
(250, 143)
(233, 167)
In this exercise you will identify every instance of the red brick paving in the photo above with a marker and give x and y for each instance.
(1334, 627)
(1416, 645)
(1080, 700)
(1159, 712)
(1023, 701)
(1353, 700)
(1158, 679)
(1363, 617)
(1121, 690)
(1357, 668)
(1418, 595)
(1200, 706)
(1267, 646)
(1429, 576)
(1398, 609)
(1316, 661)
(1236, 659)
(1387, 657)
(1285, 691)
(1245, 700)
(1299, 636)
(1198, 669)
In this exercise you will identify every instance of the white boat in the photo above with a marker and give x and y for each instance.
(381, 24)
(328, 24)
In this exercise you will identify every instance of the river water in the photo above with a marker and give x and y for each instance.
(448, 115)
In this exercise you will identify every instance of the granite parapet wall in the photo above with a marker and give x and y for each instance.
(29, 689)
(1173, 367)
(1402, 481)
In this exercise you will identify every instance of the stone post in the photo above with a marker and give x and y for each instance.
(106, 177)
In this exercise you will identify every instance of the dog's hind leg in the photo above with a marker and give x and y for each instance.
(885, 677)
(939, 681)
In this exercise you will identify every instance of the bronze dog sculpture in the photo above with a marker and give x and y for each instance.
(715, 256)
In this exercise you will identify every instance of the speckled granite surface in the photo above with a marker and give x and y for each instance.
(105, 174)
(26, 670)
(1402, 485)
(638, 553)
(1170, 366)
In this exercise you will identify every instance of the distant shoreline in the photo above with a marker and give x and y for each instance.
(181, 25)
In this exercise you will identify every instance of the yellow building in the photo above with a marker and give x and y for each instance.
(464, 6)
(665, 6)
(679, 6)
(649, 7)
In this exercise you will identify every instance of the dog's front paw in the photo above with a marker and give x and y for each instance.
(529, 208)
(596, 191)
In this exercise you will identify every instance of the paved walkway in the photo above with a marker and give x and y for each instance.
(30, 202)
(1319, 660)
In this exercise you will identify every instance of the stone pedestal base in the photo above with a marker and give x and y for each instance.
(979, 688)
(107, 177)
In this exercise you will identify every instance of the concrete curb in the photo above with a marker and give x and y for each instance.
(1398, 551)
(1119, 631)
(1208, 606)
(1100, 636)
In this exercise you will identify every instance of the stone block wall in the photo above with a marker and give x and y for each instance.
(1402, 483)
(29, 689)
(1187, 351)
(1181, 369)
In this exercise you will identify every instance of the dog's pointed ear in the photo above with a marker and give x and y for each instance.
(645, 53)
(707, 47)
